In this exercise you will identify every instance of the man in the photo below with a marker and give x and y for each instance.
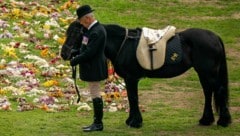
(93, 65)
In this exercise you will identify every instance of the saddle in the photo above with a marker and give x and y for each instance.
(151, 48)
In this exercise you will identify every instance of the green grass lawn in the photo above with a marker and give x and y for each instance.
(172, 106)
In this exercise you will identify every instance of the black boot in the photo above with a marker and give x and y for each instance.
(97, 124)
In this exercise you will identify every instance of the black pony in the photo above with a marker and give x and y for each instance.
(73, 41)
(201, 49)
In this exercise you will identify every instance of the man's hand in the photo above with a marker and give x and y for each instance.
(73, 61)
(74, 52)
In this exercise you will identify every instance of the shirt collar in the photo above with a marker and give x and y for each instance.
(93, 23)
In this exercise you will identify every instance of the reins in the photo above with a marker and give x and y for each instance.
(74, 73)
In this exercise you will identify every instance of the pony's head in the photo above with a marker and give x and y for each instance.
(73, 40)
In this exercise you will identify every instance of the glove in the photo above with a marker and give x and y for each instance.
(74, 61)
(74, 52)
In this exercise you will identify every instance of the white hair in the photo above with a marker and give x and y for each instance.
(90, 15)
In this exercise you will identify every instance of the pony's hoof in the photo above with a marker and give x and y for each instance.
(132, 124)
(135, 125)
(206, 122)
(128, 121)
(224, 122)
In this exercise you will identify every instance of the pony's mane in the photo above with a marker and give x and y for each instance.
(74, 26)
(115, 30)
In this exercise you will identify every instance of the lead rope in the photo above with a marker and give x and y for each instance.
(74, 73)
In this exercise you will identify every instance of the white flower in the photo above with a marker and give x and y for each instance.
(61, 66)
(67, 80)
(6, 34)
(112, 109)
(84, 107)
(3, 24)
(36, 100)
(24, 35)
(40, 14)
(23, 45)
(52, 22)
(16, 28)
(42, 63)
(14, 90)
(38, 91)
(36, 22)
(56, 37)
(2, 62)
(5, 104)
(32, 32)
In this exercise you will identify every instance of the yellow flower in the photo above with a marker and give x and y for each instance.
(75, 5)
(65, 21)
(2, 92)
(26, 15)
(50, 83)
(56, 93)
(44, 52)
(30, 66)
(61, 40)
(10, 51)
(117, 95)
(69, 4)
(16, 12)
(46, 27)
(2, 66)
(52, 55)
(66, 5)
(44, 107)
(43, 9)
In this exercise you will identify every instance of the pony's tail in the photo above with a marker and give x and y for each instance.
(221, 95)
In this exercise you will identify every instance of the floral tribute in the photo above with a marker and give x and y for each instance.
(32, 74)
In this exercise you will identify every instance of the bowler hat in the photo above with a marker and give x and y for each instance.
(83, 10)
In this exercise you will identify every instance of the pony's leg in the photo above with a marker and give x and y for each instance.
(211, 84)
(224, 114)
(135, 117)
(207, 117)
